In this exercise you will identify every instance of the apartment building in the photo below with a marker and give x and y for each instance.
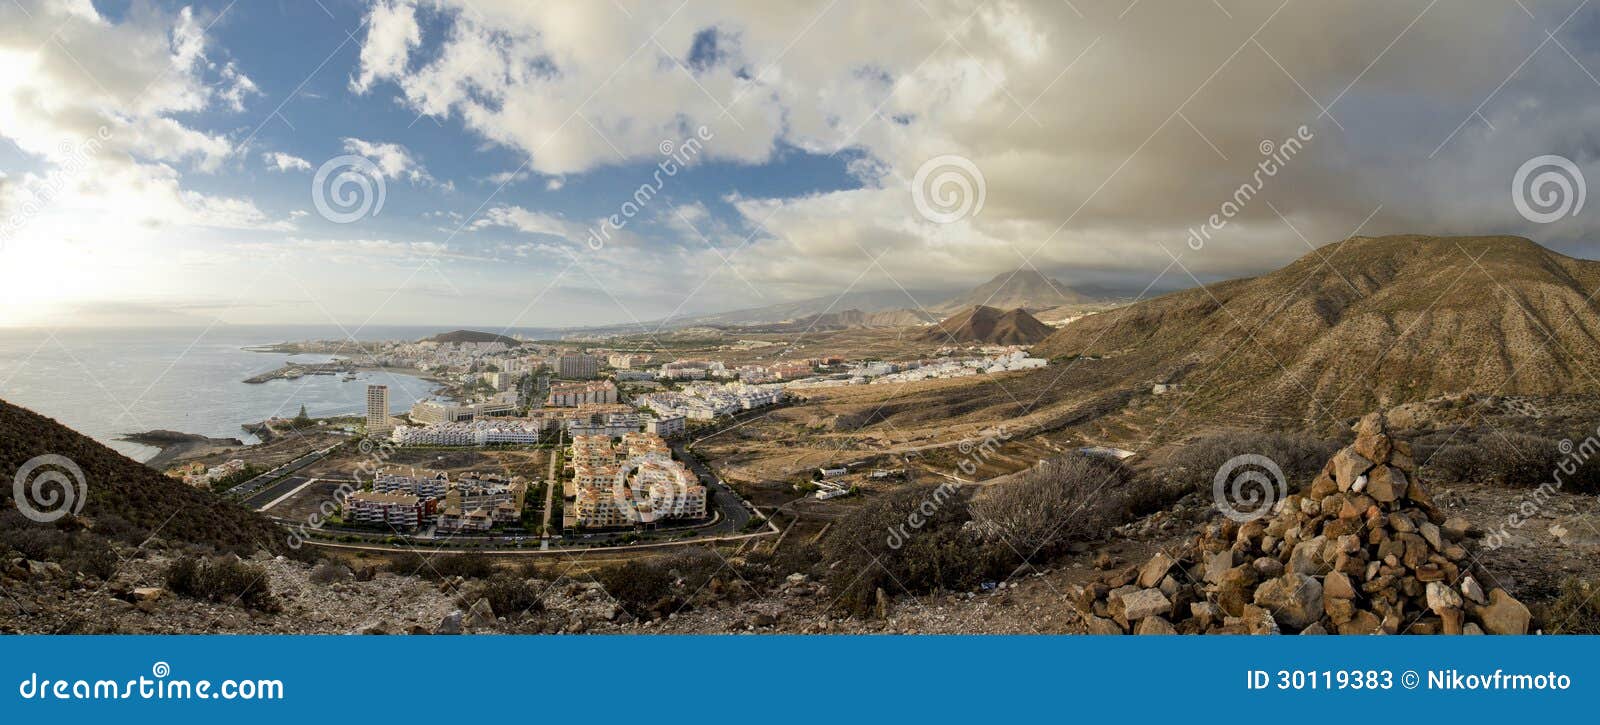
(571, 395)
(397, 510)
(577, 366)
(378, 409)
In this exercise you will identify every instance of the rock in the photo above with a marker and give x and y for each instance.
(480, 614)
(1375, 447)
(1258, 620)
(1442, 597)
(451, 624)
(1154, 625)
(1294, 599)
(881, 604)
(1385, 484)
(382, 626)
(766, 620)
(1472, 591)
(1218, 564)
(417, 629)
(1145, 603)
(142, 594)
(1104, 561)
(1306, 557)
(1268, 567)
(1101, 625)
(1450, 620)
(1364, 622)
(1336, 585)
(1348, 466)
(1315, 628)
(1471, 628)
(1154, 570)
(1237, 588)
(1503, 614)
(1372, 424)
(1456, 528)
(1431, 534)
(1205, 613)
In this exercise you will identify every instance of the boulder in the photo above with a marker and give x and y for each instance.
(1145, 603)
(481, 614)
(1294, 599)
(1503, 614)
(1154, 625)
(451, 624)
(1442, 597)
(1155, 570)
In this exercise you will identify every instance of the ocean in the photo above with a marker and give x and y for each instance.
(107, 383)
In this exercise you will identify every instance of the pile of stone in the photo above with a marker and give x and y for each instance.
(1361, 550)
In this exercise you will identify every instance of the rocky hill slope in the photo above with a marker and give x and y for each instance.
(1024, 288)
(120, 496)
(989, 325)
(1363, 323)
(461, 336)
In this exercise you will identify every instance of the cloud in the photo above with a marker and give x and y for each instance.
(1102, 138)
(393, 160)
(283, 163)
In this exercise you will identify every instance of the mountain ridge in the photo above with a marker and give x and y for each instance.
(1364, 323)
(989, 325)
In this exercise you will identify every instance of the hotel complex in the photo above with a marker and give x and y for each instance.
(635, 483)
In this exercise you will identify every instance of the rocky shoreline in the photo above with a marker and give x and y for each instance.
(174, 445)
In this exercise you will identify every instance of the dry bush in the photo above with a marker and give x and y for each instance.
(225, 580)
(1059, 500)
(1576, 610)
(1301, 456)
(914, 540)
(512, 596)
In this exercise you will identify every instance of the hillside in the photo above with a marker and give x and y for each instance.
(845, 320)
(125, 499)
(1024, 288)
(990, 326)
(1362, 323)
(460, 336)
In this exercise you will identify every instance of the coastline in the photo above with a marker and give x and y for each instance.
(172, 445)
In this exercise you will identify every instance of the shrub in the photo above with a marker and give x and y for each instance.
(1061, 499)
(1301, 456)
(1576, 610)
(329, 572)
(638, 585)
(429, 565)
(914, 540)
(225, 580)
(511, 596)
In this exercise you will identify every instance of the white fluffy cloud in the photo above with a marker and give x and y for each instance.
(101, 106)
(393, 160)
(283, 163)
(1103, 132)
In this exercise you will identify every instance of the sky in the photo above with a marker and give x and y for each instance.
(501, 163)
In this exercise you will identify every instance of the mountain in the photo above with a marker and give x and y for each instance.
(866, 301)
(123, 498)
(1024, 288)
(1359, 324)
(460, 336)
(845, 320)
(989, 326)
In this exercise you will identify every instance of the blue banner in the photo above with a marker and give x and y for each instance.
(778, 678)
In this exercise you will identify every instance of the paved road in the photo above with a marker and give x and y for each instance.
(551, 483)
(735, 512)
(267, 495)
(250, 488)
